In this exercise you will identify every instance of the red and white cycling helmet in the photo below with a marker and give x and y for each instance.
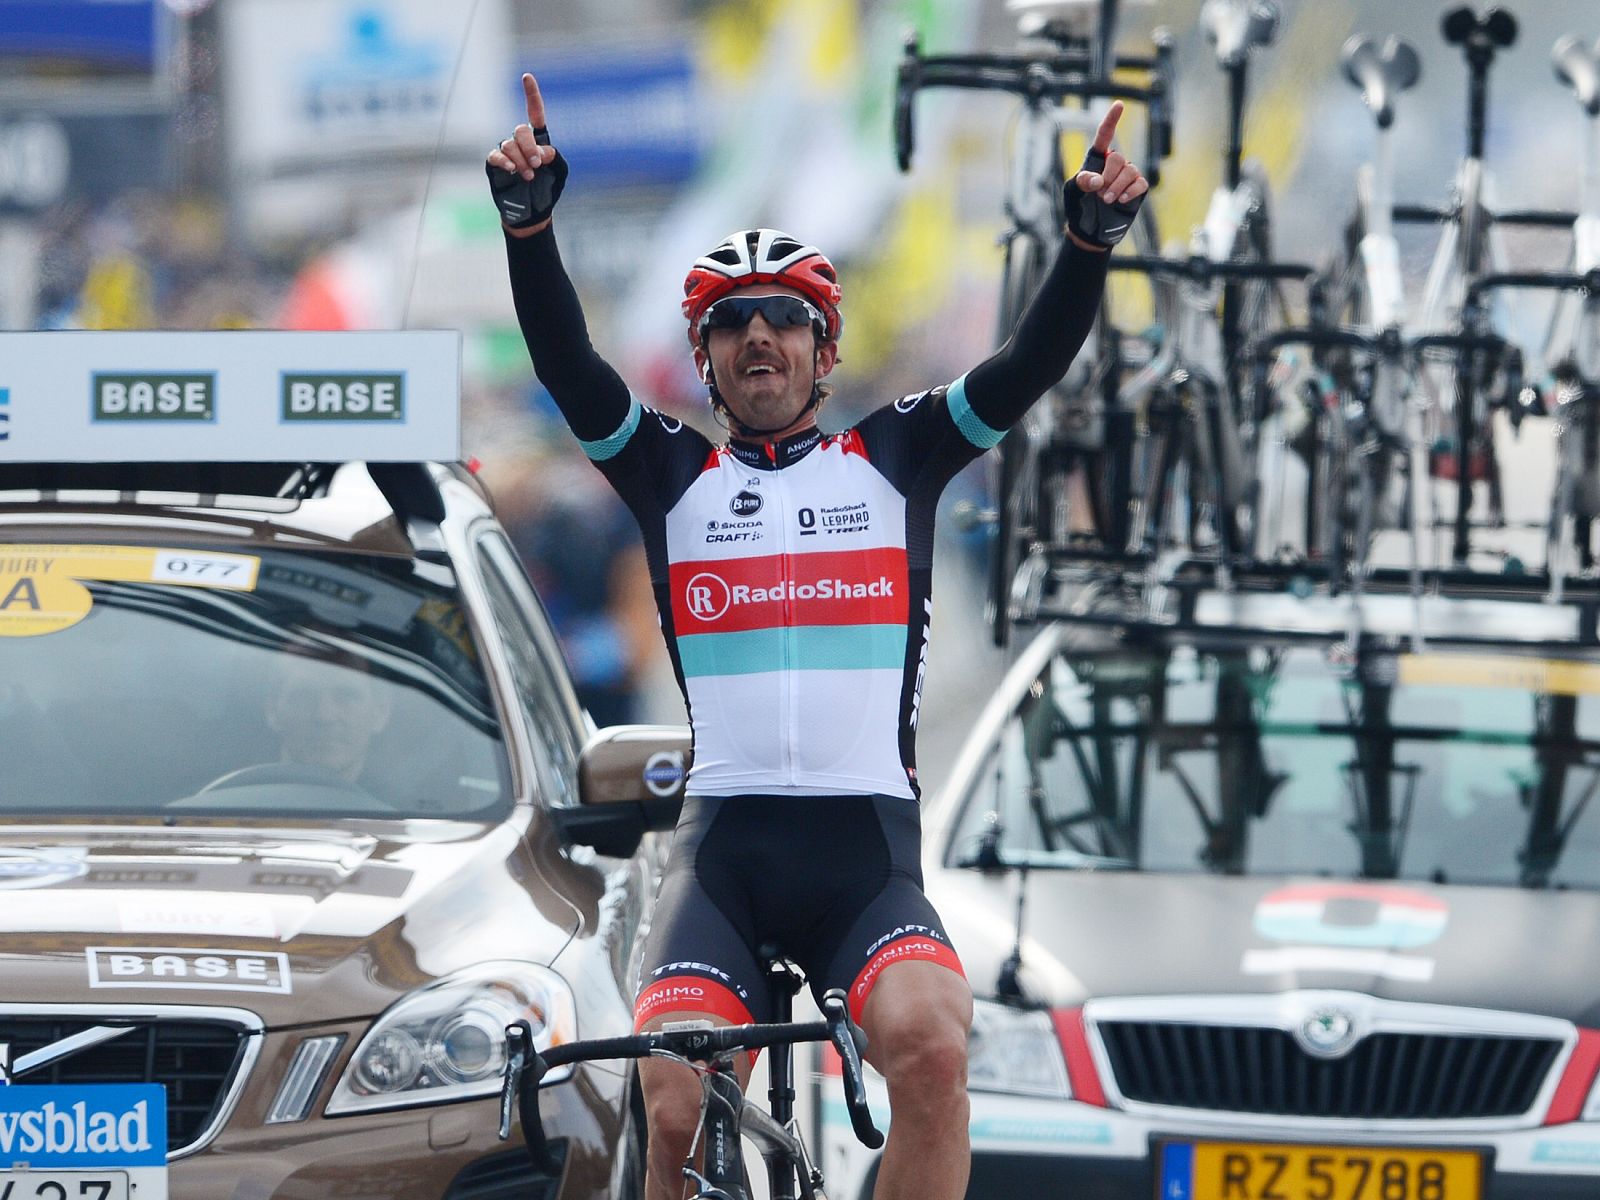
(762, 256)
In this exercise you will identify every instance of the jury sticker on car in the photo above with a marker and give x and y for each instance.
(41, 592)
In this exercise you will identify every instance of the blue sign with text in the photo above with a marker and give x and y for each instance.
(623, 118)
(109, 33)
(107, 1125)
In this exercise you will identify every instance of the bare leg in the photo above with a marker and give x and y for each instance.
(916, 1020)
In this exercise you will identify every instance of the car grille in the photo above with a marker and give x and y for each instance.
(195, 1060)
(1385, 1076)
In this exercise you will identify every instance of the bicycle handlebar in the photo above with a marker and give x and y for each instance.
(1204, 270)
(1037, 77)
(526, 1068)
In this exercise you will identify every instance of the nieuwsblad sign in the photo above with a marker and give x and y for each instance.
(230, 397)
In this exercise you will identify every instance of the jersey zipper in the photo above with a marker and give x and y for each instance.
(788, 700)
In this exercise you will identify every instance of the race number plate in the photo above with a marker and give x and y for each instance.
(63, 1185)
(1273, 1171)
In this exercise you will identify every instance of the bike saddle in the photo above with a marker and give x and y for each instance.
(1578, 66)
(1236, 27)
(1381, 74)
(1463, 27)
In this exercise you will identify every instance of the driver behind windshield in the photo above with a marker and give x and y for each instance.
(326, 712)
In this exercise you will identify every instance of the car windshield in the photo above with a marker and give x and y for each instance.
(1438, 767)
(174, 681)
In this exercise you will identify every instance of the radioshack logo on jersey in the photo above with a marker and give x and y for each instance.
(709, 596)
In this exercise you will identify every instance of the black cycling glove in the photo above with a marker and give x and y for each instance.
(1093, 219)
(523, 202)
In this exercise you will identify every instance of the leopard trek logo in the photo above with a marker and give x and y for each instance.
(745, 504)
(707, 596)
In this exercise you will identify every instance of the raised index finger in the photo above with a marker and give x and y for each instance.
(530, 89)
(1102, 136)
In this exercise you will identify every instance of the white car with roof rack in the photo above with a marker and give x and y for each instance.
(297, 807)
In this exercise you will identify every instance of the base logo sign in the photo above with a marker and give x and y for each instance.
(343, 398)
(153, 397)
(178, 967)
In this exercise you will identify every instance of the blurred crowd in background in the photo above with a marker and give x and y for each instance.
(317, 164)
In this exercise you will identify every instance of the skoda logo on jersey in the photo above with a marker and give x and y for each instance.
(745, 504)
(707, 596)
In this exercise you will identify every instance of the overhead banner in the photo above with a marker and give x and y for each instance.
(82, 396)
(311, 83)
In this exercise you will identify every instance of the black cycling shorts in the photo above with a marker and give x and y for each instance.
(832, 882)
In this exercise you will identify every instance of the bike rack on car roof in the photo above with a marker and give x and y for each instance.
(1297, 601)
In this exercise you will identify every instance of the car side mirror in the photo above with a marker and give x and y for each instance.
(630, 781)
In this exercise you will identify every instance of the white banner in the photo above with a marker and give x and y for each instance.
(81, 396)
(317, 82)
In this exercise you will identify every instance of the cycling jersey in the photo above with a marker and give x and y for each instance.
(794, 578)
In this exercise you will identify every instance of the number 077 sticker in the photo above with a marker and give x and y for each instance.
(205, 570)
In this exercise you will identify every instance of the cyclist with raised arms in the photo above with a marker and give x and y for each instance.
(793, 572)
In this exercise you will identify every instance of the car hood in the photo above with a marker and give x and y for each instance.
(298, 925)
(1103, 933)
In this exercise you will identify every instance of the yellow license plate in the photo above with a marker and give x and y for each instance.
(1272, 1171)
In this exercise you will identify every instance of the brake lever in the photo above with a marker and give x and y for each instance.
(517, 1042)
(849, 1039)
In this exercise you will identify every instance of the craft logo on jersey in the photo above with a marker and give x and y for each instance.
(745, 504)
(708, 596)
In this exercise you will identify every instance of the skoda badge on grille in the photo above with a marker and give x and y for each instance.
(1327, 1033)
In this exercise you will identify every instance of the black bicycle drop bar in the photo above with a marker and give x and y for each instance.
(1038, 76)
(1203, 270)
(526, 1067)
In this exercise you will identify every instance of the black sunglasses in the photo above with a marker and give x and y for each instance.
(735, 312)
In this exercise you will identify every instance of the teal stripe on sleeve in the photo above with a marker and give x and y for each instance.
(971, 425)
(802, 648)
(610, 447)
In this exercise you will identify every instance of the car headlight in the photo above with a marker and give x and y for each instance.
(1016, 1051)
(447, 1041)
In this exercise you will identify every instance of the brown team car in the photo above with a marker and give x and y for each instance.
(297, 810)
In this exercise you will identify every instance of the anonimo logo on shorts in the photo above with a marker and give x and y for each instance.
(708, 596)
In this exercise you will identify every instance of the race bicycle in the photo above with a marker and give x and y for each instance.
(1065, 74)
(715, 1166)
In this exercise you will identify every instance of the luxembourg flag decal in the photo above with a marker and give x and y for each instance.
(1351, 914)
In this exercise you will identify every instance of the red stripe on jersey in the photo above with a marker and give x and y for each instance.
(843, 587)
(686, 994)
(914, 948)
(849, 441)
